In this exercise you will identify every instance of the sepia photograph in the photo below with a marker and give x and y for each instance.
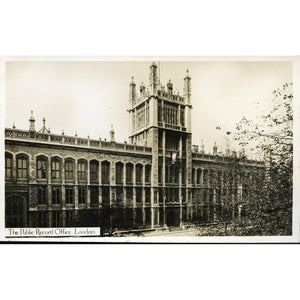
(167, 149)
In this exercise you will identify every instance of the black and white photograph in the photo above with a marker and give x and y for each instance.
(156, 150)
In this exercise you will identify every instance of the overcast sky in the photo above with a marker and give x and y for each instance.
(88, 97)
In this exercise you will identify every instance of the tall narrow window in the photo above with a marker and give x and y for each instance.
(22, 165)
(148, 174)
(56, 195)
(69, 169)
(94, 195)
(56, 219)
(69, 195)
(81, 170)
(147, 195)
(42, 195)
(139, 195)
(94, 166)
(105, 169)
(105, 196)
(55, 168)
(82, 195)
(129, 173)
(183, 175)
(139, 174)
(41, 167)
(8, 165)
(69, 218)
(42, 219)
(119, 173)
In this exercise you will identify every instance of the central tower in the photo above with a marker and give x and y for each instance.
(161, 119)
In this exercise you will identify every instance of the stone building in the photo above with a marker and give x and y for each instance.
(156, 180)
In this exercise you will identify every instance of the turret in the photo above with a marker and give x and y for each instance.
(153, 78)
(170, 86)
(32, 122)
(112, 134)
(142, 89)
(202, 147)
(215, 149)
(187, 92)
(132, 92)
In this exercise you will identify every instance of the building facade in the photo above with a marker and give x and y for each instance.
(158, 179)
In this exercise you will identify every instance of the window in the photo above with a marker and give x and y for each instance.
(139, 174)
(129, 173)
(139, 195)
(55, 168)
(69, 218)
(42, 219)
(198, 176)
(41, 168)
(69, 195)
(105, 169)
(82, 195)
(22, 165)
(159, 175)
(8, 165)
(148, 174)
(56, 195)
(56, 219)
(183, 175)
(81, 170)
(42, 195)
(94, 195)
(129, 194)
(147, 195)
(120, 195)
(69, 169)
(94, 166)
(167, 174)
(119, 173)
(105, 196)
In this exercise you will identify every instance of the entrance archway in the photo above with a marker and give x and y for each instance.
(15, 212)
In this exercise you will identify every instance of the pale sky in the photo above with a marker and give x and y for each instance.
(88, 97)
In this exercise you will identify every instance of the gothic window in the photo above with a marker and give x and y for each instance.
(56, 219)
(129, 194)
(105, 195)
(159, 174)
(22, 166)
(94, 166)
(69, 218)
(82, 170)
(69, 169)
(199, 176)
(14, 212)
(193, 176)
(42, 167)
(139, 174)
(82, 195)
(69, 195)
(139, 195)
(56, 195)
(148, 174)
(167, 174)
(183, 175)
(129, 173)
(42, 194)
(105, 169)
(119, 195)
(119, 173)
(55, 168)
(176, 175)
(94, 194)
(42, 219)
(147, 195)
(8, 165)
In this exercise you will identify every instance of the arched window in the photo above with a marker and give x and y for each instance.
(148, 174)
(8, 165)
(22, 166)
(129, 173)
(105, 171)
(199, 175)
(55, 168)
(82, 169)
(41, 166)
(94, 169)
(119, 173)
(139, 174)
(14, 212)
(69, 169)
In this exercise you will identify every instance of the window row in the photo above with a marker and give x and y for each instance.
(82, 170)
